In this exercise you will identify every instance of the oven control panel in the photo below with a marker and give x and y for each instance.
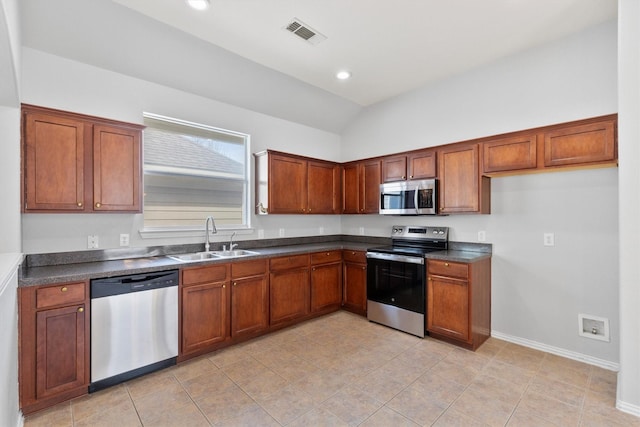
(419, 232)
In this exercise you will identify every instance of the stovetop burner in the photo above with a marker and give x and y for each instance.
(415, 240)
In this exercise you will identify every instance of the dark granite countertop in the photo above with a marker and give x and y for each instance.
(70, 267)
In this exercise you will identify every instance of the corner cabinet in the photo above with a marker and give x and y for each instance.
(289, 184)
(459, 301)
(354, 284)
(54, 344)
(462, 188)
(78, 163)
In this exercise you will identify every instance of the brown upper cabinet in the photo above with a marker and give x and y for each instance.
(361, 187)
(507, 154)
(77, 163)
(580, 144)
(415, 165)
(462, 188)
(288, 184)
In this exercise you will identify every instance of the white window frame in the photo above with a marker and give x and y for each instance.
(188, 231)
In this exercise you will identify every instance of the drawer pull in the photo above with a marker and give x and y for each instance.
(79, 204)
(64, 289)
(81, 309)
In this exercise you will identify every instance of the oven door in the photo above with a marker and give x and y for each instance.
(396, 280)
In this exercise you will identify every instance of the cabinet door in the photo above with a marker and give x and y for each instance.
(288, 295)
(53, 162)
(249, 305)
(448, 307)
(422, 165)
(370, 187)
(288, 185)
(322, 195)
(350, 189)
(326, 286)
(61, 350)
(460, 181)
(580, 144)
(354, 296)
(204, 316)
(394, 168)
(116, 169)
(516, 153)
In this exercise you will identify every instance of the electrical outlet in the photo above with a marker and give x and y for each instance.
(320, 230)
(124, 240)
(549, 239)
(260, 233)
(92, 241)
(361, 230)
(482, 236)
(281, 232)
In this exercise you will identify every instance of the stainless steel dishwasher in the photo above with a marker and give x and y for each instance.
(134, 326)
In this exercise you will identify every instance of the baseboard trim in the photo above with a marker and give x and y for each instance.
(628, 408)
(605, 364)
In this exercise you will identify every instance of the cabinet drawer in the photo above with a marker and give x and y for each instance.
(447, 268)
(326, 257)
(214, 273)
(67, 293)
(288, 262)
(248, 268)
(354, 256)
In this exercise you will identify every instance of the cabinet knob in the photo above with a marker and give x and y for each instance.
(364, 268)
(446, 264)
(404, 177)
(235, 283)
(64, 289)
(328, 253)
(81, 309)
(224, 286)
(79, 204)
(98, 205)
(411, 177)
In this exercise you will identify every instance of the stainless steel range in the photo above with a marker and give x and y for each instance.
(396, 277)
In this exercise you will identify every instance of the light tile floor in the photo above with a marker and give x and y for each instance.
(341, 370)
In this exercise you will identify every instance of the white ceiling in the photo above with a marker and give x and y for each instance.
(390, 46)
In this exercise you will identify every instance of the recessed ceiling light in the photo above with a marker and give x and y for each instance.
(198, 4)
(343, 75)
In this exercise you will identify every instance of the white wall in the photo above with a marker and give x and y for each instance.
(538, 291)
(56, 82)
(9, 413)
(629, 145)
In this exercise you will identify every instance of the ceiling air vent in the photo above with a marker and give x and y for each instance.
(305, 32)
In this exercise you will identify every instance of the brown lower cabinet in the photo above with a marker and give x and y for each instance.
(204, 302)
(459, 301)
(288, 288)
(54, 344)
(326, 281)
(249, 298)
(354, 293)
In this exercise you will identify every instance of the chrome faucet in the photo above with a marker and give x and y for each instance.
(206, 230)
(231, 244)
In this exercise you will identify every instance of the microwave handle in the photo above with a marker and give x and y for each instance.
(415, 199)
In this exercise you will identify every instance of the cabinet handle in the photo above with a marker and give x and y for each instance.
(79, 204)
(98, 205)
(80, 310)
(64, 289)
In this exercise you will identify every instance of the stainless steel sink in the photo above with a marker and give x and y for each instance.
(196, 256)
(234, 253)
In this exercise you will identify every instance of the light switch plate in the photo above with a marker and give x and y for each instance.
(124, 240)
(482, 236)
(549, 239)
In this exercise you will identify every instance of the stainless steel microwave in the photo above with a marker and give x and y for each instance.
(418, 197)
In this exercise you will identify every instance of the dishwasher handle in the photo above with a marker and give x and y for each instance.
(134, 283)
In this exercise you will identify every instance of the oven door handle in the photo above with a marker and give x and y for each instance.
(394, 257)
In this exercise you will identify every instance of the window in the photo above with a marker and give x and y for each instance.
(192, 171)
